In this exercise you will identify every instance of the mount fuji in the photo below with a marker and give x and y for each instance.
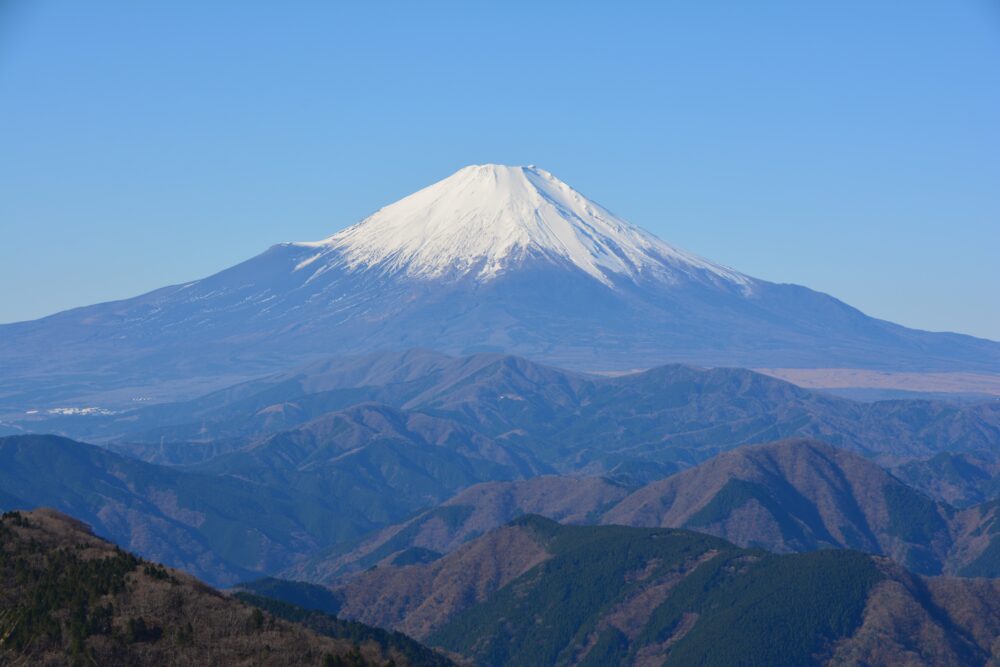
(492, 258)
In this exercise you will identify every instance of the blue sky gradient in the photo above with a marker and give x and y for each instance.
(853, 147)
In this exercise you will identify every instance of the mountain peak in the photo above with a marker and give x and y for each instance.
(486, 219)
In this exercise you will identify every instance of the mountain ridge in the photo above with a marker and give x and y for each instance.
(602, 595)
(671, 416)
(790, 496)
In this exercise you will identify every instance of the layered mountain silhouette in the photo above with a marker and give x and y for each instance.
(535, 592)
(473, 512)
(492, 258)
(326, 516)
(314, 470)
(785, 497)
(532, 591)
(544, 418)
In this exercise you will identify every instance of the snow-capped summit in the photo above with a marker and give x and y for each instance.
(491, 259)
(485, 219)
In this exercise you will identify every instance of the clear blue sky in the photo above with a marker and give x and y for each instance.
(850, 146)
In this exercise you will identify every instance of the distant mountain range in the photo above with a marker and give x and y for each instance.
(492, 258)
(312, 470)
(529, 417)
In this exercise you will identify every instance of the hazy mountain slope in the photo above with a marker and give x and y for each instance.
(639, 596)
(802, 495)
(469, 514)
(268, 404)
(308, 502)
(378, 460)
(680, 415)
(791, 496)
(262, 508)
(977, 544)
(222, 529)
(492, 258)
(960, 479)
(71, 598)
(672, 415)
(797, 496)
(409, 380)
(664, 419)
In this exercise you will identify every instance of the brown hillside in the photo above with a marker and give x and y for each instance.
(416, 599)
(796, 495)
(70, 598)
(473, 512)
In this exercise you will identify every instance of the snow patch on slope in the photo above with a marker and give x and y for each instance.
(484, 219)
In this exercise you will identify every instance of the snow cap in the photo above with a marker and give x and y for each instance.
(485, 218)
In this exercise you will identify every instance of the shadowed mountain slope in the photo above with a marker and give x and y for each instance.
(535, 592)
(379, 460)
(327, 500)
(220, 528)
(469, 514)
(959, 478)
(802, 495)
(70, 598)
(263, 510)
(789, 496)
(797, 495)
